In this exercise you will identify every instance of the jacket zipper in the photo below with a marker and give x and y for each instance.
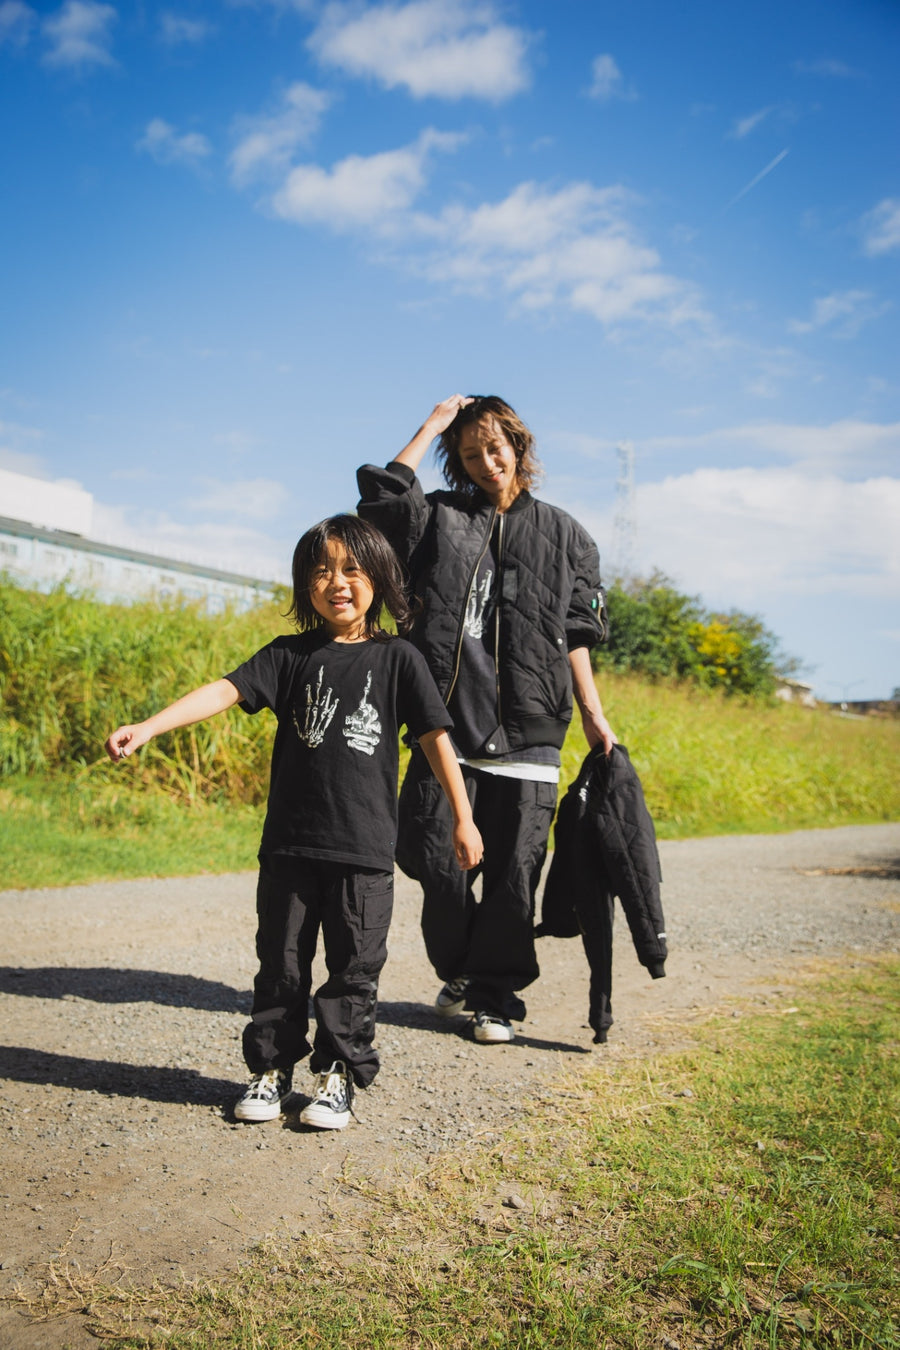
(497, 620)
(462, 619)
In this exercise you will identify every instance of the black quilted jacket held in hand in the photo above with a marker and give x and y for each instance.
(605, 846)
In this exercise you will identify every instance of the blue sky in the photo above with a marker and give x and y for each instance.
(247, 246)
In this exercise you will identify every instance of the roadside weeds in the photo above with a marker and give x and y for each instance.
(739, 1190)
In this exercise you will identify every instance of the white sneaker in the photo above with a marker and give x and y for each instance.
(451, 1001)
(263, 1096)
(332, 1103)
(490, 1030)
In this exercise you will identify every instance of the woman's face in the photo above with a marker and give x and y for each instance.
(490, 461)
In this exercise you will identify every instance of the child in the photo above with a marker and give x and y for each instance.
(340, 690)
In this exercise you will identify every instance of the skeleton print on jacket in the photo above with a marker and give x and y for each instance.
(340, 707)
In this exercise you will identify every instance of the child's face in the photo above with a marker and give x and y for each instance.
(341, 593)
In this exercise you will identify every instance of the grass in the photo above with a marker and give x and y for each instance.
(67, 831)
(72, 669)
(738, 1193)
(710, 764)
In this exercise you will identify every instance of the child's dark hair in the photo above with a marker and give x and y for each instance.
(486, 407)
(371, 552)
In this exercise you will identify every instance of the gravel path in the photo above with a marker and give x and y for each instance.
(123, 1005)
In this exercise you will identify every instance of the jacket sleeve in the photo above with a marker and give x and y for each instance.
(584, 626)
(623, 831)
(558, 918)
(392, 499)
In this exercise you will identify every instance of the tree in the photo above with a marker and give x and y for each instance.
(656, 630)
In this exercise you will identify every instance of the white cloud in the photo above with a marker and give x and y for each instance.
(14, 454)
(230, 547)
(826, 66)
(258, 498)
(573, 247)
(849, 444)
(360, 191)
(446, 49)
(745, 125)
(816, 556)
(79, 34)
(266, 143)
(846, 311)
(16, 22)
(177, 29)
(18, 461)
(166, 146)
(755, 533)
(848, 447)
(607, 82)
(882, 228)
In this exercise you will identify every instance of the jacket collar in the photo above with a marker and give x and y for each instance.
(521, 503)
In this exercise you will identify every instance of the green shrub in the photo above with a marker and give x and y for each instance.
(657, 631)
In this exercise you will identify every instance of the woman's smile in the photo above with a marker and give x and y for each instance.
(490, 461)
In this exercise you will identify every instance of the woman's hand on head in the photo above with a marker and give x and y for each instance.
(444, 412)
(435, 424)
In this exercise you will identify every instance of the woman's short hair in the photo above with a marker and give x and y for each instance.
(367, 547)
(486, 407)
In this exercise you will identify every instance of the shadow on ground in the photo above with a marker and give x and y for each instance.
(101, 984)
(152, 1082)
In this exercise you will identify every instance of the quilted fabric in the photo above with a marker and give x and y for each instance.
(605, 847)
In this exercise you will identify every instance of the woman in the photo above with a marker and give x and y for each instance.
(509, 605)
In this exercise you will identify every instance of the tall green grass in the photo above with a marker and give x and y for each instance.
(710, 764)
(71, 670)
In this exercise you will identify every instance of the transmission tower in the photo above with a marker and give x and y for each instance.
(624, 540)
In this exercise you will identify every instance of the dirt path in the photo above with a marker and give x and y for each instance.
(123, 1006)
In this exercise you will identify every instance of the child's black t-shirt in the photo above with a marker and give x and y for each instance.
(340, 705)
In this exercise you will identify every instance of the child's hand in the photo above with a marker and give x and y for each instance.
(124, 741)
(467, 846)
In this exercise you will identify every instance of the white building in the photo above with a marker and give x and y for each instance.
(796, 691)
(45, 542)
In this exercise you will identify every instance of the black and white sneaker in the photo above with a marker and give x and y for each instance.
(451, 1001)
(490, 1030)
(332, 1103)
(263, 1096)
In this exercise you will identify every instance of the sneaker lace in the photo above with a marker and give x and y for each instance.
(335, 1086)
(264, 1082)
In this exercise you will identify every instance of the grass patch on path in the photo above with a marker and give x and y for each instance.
(738, 1193)
(70, 831)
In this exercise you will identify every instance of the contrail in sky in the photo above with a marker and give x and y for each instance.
(759, 177)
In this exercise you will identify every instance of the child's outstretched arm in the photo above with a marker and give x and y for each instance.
(196, 706)
(466, 839)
